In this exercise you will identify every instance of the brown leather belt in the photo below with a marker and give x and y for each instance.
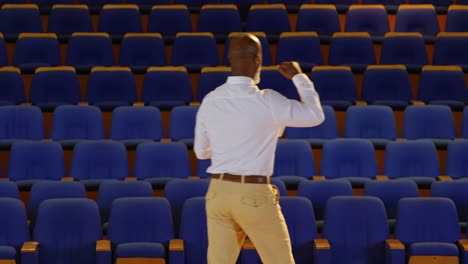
(242, 178)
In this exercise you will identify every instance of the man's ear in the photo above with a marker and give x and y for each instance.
(258, 61)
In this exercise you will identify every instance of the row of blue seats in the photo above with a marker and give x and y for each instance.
(142, 227)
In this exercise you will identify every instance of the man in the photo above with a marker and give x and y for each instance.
(238, 127)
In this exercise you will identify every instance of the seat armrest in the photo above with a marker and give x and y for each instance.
(29, 247)
(194, 177)
(194, 104)
(130, 179)
(394, 244)
(83, 103)
(361, 103)
(322, 252)
(463, 243)
(321, 244)
(176, 251)
(67, 179)
(176, 245)
(394, 251)
(103, 245)
(319, 178)
(165, 140)
(103, 252)
(381, 177)
(29, 252)
(138, 104)
(444, 178)
(417, 102)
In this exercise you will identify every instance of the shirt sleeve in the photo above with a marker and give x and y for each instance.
(201, 145)
(305, 113)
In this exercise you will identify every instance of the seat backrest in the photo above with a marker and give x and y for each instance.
(303, 47)
(50, 3)
(456, 164)
(21, 122)
(195, 3)
(350, 233)
(456, 191)
(428, 121)
(294, 158)
(271, 78)
(140, 219)
(193, 230)
(14, 229)
(242, 3)
(112, 190)
(457, 19)
(210, 79)
(167, 84)
(351, 48)
(38, 160)
(327, 130)
(9, 189)
(219, 19)
(13, 91)
(390, 192)
(130, 122)
(449, 49)
(271, 19)
(169, 20)
(266, 52)
(111, 84)
(90, 49)
(19, 18)
(182, 122)
(411, 158)
(66, 19)
(348, 158)
(403, 48)
(451, 78)
(334, 82)
(100, 3)
(367, 18)
(318, 192)
(55, 85)
(99, 160)
(157, 160)
(374, 121)
(322, 19)
(77, 122)
(427, 220)
(386, 82)
(194, 49)
(120, 19)
(142, 49)
(417, 18)
(37, 48)
(77, 220)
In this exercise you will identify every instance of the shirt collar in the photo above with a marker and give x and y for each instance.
(240, 80)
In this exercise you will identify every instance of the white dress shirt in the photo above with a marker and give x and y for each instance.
(238, 124)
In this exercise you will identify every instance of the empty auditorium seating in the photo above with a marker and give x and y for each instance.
(336, 86)
(415, 160)
(318, 135)
(18, 18)
(457, 21)
(210, 79)
(120, 19)
(67, 19)
(266, 52)
(341, 6)
(49, 3)
(168, 20)
(449, 49)
(3, 51)
(9, 189)
(194, 3)
(140, 228)
(353, 49)
(142, 50)
(99, 3)
(20, 123)
(417, 18)
(271, 19)
(86, 50)
(375, 123)
(219, 20)
(387, 85)
(135, 125)
(404, 48)
(12, 86)
(294, 162)
(271, 78)
(14, 229)
(159, 162)
(456, 165)
(31, 162)
(350, 159)
(182, 124)
(322, 19)
(149, 2)
(110, 87)
(71, 123)
(194, 51)
(455, 191)
(367, 18)
(33, 50)
(112, 190)
(96, 161)
(242, 3)
(201, 167)
(303, 47)
(68, 231)
(167, 87)
(55, 86)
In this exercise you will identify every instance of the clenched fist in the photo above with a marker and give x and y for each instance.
(289, 69)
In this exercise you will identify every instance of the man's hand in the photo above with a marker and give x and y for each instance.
(289, 68)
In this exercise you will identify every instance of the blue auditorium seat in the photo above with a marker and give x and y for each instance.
(242, 3)
(322, 19)
(352, 159)
(140, 228)
(55, 86)
(97, 4)
(134, 125)
(20, 123)
(336, 86)
(159, 163)
(149, 2)
(72, 123)
(3, 51)
(9, 189)
(19, 18)
(417, 18)
(271, 19)
(167, 87)
(455, 191)
(31, 162)
(294, 162)
(110, 87)
(372, 19)
(341, 6)
(303, 47)
(182, 124)
(67, 19)
(350, 232)
(318, 135)
(266, 52)
(201, 167)
(14, 231)
(68, 231)
(13, 91)
(271, 78)
(456, 167)
(457, 19)
(142, 50)
(404, 48)
(168, 20)
(220, 20)
(112, 190)
(86, 50)
(449, 49)
(120, 19)
(416, 160)
(194, 51)
(97, 161)
(210, 79)
(34, 50)
(50, 3)
(387, 85)
(374, 122)
(353, 49)
(195, 3)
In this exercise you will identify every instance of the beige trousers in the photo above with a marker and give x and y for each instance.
(235, 210)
